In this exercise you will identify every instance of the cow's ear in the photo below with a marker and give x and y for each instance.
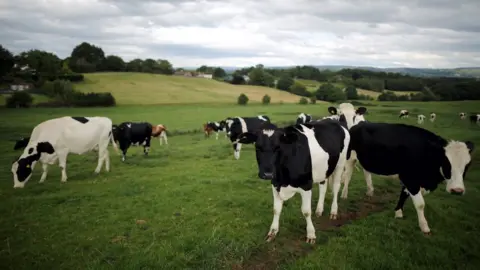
(45, 147)
(247, 138)
(470, 146)
(361, 111)
(332, 110)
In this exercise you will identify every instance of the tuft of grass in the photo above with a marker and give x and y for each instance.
(142, 88)
(191, 205)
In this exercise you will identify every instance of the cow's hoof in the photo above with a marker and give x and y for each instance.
(427, 233)
(333, 216)
(318, 213)
(271, 236)
(310, 240)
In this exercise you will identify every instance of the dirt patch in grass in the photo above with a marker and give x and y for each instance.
(284, 249)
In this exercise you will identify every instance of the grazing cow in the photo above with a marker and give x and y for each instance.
(239, 125)
(332, 110)
(420, 158)
(129, 133)
(432, 117)
(295, 158)
(420, 119)
(216, 127)
(403, 114)
(475, 118)
(56, 138)
(462, 115)
(303, 118)
(160, 131)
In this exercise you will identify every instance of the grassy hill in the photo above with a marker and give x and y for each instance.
(143, 88)
(313, 86)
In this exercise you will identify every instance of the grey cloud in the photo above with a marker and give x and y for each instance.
(195, 51)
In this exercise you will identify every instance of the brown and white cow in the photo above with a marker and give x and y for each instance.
(160, 131)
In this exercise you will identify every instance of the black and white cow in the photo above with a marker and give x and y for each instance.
(216, 127)
(295, 158)
(54, 139)
(433, 116)
(462, 115)
(475, 118)
(303, 118)
(420, 158)
(131, 133)
(403, 114)
(239, 125)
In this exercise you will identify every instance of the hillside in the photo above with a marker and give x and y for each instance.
(144, 88)
(313, 86)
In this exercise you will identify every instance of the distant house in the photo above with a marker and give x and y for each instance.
(205, 75)
(17, 87)
(246, 78)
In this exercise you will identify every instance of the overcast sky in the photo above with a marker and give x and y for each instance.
(381, 33)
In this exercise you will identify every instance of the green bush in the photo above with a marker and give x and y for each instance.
(242, 99)
(266, 100)
(303, 100)
(19, 100)
(313, 100)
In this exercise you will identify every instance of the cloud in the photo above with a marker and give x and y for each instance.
(427, 33)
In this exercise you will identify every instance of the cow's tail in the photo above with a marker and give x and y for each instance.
(115, 147)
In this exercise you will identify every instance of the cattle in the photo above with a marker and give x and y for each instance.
(420, 158)
(160, 131)
(216, 127)
(432, 117)
(303, 118)
(462, 115)
(420, 119)
(295, 158)
(403, 114)
(54, 139)
(239, 125)
(474, 118)
(131, 133)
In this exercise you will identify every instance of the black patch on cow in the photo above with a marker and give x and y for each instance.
(22, 143)
(80, 119)
(30, 150)
(332, 110)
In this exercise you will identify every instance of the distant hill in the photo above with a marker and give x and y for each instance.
(143, 88)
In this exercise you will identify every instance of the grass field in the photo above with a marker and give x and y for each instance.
(191, 205)
(312, 86)
(141, 88)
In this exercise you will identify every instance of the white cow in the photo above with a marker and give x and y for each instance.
(432, 117)
(56, 138)
(403, 114)
(462, 115)
(420, 118)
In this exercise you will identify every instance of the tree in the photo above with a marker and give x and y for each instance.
(258, 76)
(19, 100)
(266, 100)
(6, 61)
(303, 101)
(135, 65)
(351, 92)
(114, 63)
(285, 82)
(40, 61)
(242, 99)
(329, 92)
(219, 73)
(313, 100)
(164, 67)
(299, 89)
(86, 57)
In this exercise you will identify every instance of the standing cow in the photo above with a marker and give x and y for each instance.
(130, 133)
(433, 116)
(420, 119)
(216, 127)
(297, 157)
(462, 115)
(475, 118)
(303, 118)
(54, 139)
(403, 114)
(160, 131)
(239, 125)
(420, 158)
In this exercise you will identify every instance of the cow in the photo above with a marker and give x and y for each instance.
(475, 118)
(160, 131)
(303, 118)
(131, 133)
(462, 115)
(420, 158)
(238, 125)
(432, 117)
(403, 114)
(420, 119)
(216, 127)
(295, 158)
(54, 139)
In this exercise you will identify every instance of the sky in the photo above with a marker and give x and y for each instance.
(381, 33)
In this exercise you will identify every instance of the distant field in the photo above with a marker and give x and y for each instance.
(142, 88)
(313, 86)
(191, 205)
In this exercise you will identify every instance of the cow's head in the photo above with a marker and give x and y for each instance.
(455, 164)
(115, 132)
(349, 116)
(22, 168)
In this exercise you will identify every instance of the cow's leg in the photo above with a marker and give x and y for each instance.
(163, 136)
(62, 163)
(419, 203)
(307, 213)
(368, 180)
(44, 173)
(107, 160)
(237, 147)
(337, 178)
(347, 174)
(146, 147)
(101, 158)
(216, 135)
(322, 190)
(401, 201)
(124, 146)
(277, 210)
